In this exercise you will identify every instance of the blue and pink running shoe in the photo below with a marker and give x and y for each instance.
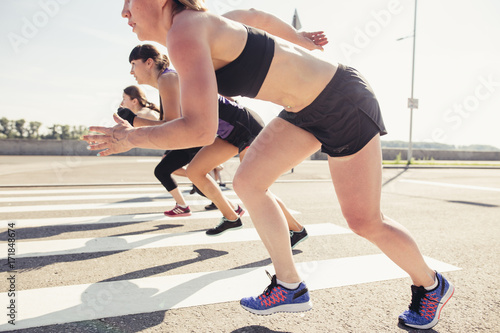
(426, 306)
(277, 298)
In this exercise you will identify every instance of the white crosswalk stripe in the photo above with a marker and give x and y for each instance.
(151, 199)
(93, 190)
(152, 195)
(109, 299)
(120, 297)
(90, 245)
(94, 206)
(105, 219)
(157, 195)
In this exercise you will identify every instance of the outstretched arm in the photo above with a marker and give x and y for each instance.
(135, 120)
(141, 122)
(275, 26)
(198, 124)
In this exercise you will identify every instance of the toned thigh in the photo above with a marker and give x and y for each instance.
(211, 156)
(358, 180)
(279, 147)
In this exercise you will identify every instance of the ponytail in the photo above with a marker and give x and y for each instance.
(152, 106)
(135, 92)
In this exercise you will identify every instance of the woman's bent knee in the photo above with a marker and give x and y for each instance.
(195, 174)
(239, 184)
(363, 225)
(244, 184)
(158, 173)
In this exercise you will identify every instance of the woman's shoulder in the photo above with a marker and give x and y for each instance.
(168, 77)
(189, 21)
(148, 114)
(199, 25)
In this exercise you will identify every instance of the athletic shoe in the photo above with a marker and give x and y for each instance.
(193, 190)
(426, 306)
(297, 237)
(178, 211)
(240, 211)
(212, 206)
(224, 226)
(277, 298)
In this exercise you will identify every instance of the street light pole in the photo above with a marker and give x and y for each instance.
(412, 105)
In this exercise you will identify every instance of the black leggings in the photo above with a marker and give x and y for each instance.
(173, 160)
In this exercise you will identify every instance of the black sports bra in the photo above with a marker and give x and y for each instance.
(246, 74)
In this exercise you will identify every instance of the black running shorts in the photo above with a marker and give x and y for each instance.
(344, 117)
(246, 128)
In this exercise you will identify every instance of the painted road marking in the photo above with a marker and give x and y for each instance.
(65, 304)
(111, 219)
(467, 187)
(108, 205)
(151, 195)
(58, 305)
(96, 189)
(105, 219)
(118, 189)
(125, 243)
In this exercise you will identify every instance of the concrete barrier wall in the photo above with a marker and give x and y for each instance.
(79, 148)
(391, 154)
(60, 147)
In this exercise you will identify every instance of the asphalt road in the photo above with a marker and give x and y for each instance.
(93, 252)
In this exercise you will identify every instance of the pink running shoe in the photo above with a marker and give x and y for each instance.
(178, 211)
(240, 211)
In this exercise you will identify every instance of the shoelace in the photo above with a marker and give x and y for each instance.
(274, 283)
(419, 297)
(222, 221)
(268, 297)
(431, 307)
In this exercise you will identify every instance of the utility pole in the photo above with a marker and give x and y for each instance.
(297, 25)
(412, 103)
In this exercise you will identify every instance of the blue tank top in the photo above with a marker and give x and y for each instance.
(168, 70)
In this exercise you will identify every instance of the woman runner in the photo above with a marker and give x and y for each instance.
(326, 105)
(238, 127)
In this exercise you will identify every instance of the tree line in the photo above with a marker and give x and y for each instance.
(20, 129)
(437, 145)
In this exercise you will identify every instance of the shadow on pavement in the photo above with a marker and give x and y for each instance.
(257, 329)
(414, 330)
(114, 294)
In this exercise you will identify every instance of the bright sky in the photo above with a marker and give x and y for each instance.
(66, 61)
